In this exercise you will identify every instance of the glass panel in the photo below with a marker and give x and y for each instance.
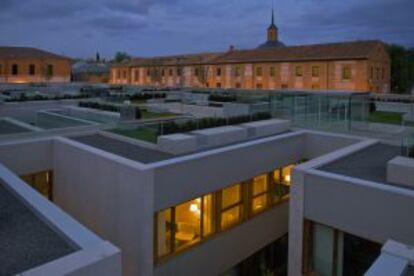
(286, 175)
(259, 184)
(230, 217)
(187, 222)
(323, 248)
(164, 232)
(231, 196)
(259, 203)
(208, 212)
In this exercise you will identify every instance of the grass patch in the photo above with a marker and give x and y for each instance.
(386, 117)
(144, 134)
(152, 115)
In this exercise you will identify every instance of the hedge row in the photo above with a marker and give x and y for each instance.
(109, 107)
(222, 98)
(147, 96)
(24, 98)
(172, 127)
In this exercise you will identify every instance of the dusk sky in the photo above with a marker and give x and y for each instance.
(79, 28)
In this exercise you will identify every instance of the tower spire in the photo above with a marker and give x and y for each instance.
(273, 13)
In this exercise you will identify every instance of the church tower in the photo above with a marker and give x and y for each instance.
(272, 35)
(272, 31)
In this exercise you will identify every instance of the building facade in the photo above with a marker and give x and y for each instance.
(350, 66)
(31, 65)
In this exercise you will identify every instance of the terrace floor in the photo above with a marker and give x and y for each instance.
(367, 164)
(25, 240)
(124, 149)
(9, 128)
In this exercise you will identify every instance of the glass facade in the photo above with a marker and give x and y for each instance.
(188, 223)
(328, 251)
(41, 182)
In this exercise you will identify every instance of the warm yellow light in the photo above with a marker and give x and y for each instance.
(194, 208)
(287, 178)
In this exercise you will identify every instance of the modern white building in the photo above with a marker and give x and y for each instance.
(248, 199)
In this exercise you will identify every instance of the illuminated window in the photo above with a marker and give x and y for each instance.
(32, 69)
(231, 206)
(15, 69)
(299, 71)
(170, 72)
(378, 73)
(346, 72)
(272, 71)
(372, 72)
(41, 182)
(124, 74)
(285, 86)
(162, 72)
(259, 86)
(179, 71)
(208, 215)
(164, 235)
(148, 72)
(315, 71)
(218, 85)
(118, 74)
(187, 223)
(260, 188)
(282, 180)
(196, 72)
(259, 71)
(238, 85)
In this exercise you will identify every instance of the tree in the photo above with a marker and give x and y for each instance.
(402, 68)
(121, 56)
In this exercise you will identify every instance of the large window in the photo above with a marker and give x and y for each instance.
(282, 180)
(237, 71)
(32, 70)
(183, 225)
(231, 206)
(259, 71)
(272, 71)
(299, 71)
(41, 182)
(15, 69)
(49, 70)
(346, 72)
(315, 71)
(188, 223)
(136, 75)
(218, 72)
(260, 193)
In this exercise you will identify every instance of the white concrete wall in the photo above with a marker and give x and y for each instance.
(370, 210)
(227, 249)
(110, 195)
(26, 157)
(319, 143)
(180, 179)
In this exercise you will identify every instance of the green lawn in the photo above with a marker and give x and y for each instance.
(152, 115)
(145, 134)
(385, 117)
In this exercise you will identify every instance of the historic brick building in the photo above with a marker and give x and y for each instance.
(350, 66)
(25, 65)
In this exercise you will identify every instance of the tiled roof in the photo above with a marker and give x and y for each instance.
(27, 52)
(188, 59)
(333, 51)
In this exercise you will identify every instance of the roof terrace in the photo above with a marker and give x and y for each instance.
(25, 240)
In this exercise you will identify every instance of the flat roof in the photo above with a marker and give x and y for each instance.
(25, 240)
(10, 128)
(125, 149)
(367, 164)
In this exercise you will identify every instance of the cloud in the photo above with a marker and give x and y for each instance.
(116, 23)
